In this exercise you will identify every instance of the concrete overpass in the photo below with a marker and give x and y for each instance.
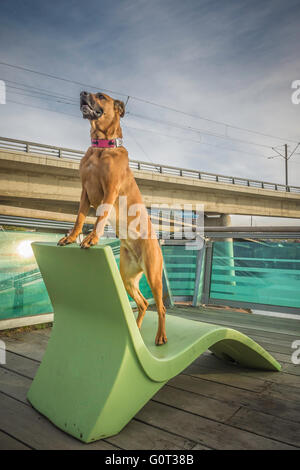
(42, 181)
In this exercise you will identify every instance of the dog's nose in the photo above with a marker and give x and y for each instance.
(84, 93)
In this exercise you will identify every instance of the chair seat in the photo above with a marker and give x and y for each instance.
(188, 339)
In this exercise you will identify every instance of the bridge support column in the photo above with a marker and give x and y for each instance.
(223, 250)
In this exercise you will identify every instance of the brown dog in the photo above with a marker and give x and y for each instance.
(105, 177)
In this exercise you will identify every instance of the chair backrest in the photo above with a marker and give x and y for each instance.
(91, 305)
(86, 292)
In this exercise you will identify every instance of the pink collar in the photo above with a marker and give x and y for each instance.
(107, 143)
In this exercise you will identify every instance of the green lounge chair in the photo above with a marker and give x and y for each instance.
(99, 369)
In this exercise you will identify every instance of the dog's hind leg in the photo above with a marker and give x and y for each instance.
(131, 274)
(153, 266)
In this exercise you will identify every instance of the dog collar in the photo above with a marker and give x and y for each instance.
(107, 143)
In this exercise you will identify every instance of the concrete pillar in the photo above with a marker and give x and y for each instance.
(226, 248)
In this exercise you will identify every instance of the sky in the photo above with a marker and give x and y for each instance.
(219, 64)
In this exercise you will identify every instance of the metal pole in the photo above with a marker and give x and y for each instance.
(286, 164)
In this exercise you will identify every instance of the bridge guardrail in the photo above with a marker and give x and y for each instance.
(60, 152)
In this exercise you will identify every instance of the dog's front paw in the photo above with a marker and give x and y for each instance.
(90, 240)
(66, 240)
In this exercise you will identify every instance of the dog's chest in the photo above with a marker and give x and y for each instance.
(91, 168)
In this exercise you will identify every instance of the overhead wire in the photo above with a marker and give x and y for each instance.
(152, 103)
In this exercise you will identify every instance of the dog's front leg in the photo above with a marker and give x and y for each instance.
(82, 213)
(103, 212)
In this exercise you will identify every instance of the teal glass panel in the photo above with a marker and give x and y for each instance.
(22, 290)
(260, 272)
(180, 265)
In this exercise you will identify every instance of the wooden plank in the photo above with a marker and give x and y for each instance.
(30, 344)
(266, 425)
(135, 435)
(25, 424)
(14, 385)
(256, 328)
(280, 339)
(201, 405)
(266, 336)
(20, 364)
(293, 369)
(292, 380)
(288, 325)
(246, 320)
(205, 431)
(282, 358)
(9, 443)
(280, 403)
(243, 378)
(289, 375)
(234, 379)
(208, 359)
(271, 345)
(273, 424)
(275, 348)
(284, 392)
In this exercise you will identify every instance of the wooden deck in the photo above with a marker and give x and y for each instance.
(211, 405)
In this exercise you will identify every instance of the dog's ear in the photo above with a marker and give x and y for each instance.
(120, 107)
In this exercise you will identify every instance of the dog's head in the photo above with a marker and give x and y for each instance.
(101, 108)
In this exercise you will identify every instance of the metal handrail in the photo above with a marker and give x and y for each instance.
(61, 152)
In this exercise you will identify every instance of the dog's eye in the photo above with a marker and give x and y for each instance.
(100, 96)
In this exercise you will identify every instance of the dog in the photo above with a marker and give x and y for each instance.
(106, 181)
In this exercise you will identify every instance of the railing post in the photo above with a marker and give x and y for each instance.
(167, 293)
(199, 277)
(207, 273)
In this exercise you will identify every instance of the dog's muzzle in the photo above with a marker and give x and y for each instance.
(89, 109)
